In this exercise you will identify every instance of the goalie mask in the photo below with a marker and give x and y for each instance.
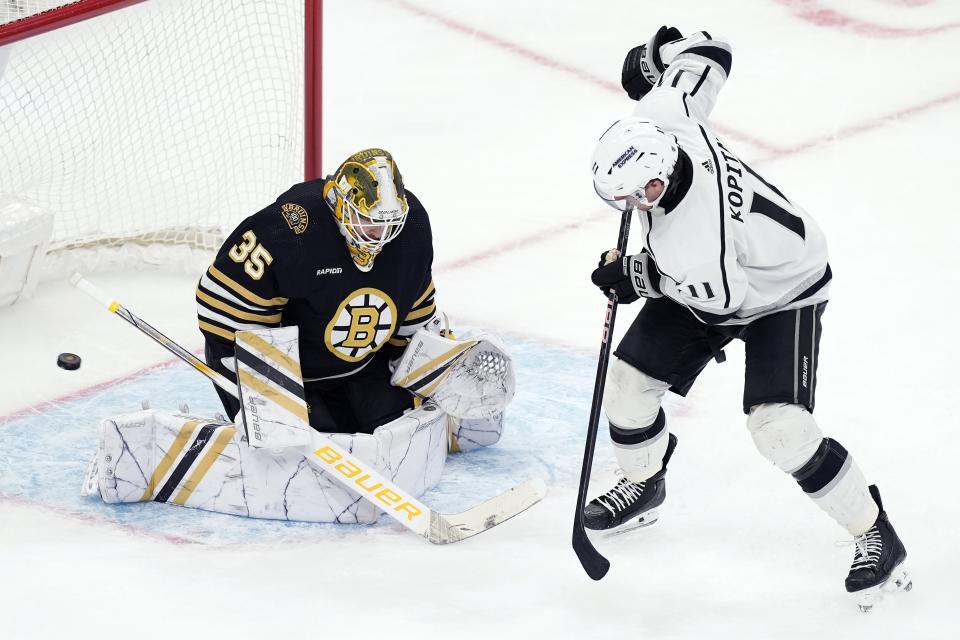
(369, 203)
(631, 153)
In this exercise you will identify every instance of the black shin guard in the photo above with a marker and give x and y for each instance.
(628, 437)
(825, 465)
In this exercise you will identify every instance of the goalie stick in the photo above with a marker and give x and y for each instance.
(353, 473)
(593, 562)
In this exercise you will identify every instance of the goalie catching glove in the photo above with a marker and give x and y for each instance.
(470, 380)
(465, 378)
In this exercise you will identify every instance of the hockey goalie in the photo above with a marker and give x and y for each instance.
(317, 338)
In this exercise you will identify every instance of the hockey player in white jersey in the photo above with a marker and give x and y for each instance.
(726, 255)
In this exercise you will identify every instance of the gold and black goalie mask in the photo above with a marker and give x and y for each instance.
(370, 204)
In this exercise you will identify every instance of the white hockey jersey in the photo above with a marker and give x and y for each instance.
(734, 248)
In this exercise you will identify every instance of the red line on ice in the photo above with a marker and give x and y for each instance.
(774, 153)
(507, 247)
(906, 3)
(97, 520)
(814, 12)
(86, 391)
(810, 10)
(546, 61)
(863, 127)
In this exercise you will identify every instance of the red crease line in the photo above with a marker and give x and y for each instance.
(40, 407)
(89, 518)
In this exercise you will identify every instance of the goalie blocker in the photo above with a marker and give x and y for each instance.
(261, 470)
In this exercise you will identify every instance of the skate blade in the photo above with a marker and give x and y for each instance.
(899, 580)
(645, 520)
(91, 482)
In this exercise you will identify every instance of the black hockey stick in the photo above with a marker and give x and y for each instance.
(593, 563)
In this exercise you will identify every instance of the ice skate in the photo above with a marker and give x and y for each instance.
(877, 567)
(91, 483)
(616, 510)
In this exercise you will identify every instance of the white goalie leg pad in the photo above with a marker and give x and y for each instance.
(637, 424)
(785, 434)
(471, 378)
(193, 462)
(468, 434)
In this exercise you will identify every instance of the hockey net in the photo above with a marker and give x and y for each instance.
(150, 129)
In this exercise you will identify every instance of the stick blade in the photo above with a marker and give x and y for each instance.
(454, 527)
(593, 563)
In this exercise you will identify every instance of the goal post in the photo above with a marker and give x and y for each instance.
(20, 19)
(148, 129)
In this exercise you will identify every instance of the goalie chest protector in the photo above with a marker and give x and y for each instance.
(292, 258)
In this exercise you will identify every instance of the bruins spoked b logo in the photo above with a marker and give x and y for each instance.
(362, 324)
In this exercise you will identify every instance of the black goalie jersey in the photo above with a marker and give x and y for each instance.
(289, 265)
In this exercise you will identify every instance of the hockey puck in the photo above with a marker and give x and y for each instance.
(68, 361)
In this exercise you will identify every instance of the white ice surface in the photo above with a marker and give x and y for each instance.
(492, 108)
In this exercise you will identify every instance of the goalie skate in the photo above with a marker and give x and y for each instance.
(91, 484)
(877, 567)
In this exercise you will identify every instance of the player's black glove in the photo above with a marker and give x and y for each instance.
(630, 277)
(643, 67)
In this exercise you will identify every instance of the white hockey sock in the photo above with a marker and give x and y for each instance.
(640, 451)
(835, 483)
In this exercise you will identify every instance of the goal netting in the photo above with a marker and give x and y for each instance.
(151, 131)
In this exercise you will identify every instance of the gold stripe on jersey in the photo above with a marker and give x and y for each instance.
(272, 393)
(233, 311)
(399, 342)
(209, 457)
(426, 294)
(271, 353)
(421, 313)
(171, 455)
(242, 291)
(215, 330)
(214, 288)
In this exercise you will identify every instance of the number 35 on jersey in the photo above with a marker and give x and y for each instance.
(253, 255)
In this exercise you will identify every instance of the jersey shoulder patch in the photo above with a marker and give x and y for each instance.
(296, 217)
